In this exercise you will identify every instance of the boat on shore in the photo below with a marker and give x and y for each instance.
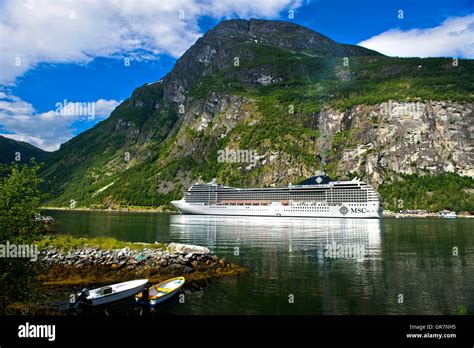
(160, 292)
(111, 293)
(447, 214)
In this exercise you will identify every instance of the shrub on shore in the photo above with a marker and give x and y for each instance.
(19, 205)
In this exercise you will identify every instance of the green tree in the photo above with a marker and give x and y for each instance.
(19, 205)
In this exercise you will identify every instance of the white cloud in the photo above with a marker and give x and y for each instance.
(250, 8)
(49, 129)
(71, 31)
(104, 108)
(453, 38)
(38, 142)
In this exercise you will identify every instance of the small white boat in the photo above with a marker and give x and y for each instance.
(447, 214)
(160, 292)
(112, 293)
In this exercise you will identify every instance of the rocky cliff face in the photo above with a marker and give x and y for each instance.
(292, 99)
(375, 141)
(233, 42)
(400, 137)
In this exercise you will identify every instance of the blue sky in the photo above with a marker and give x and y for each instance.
(75, 51)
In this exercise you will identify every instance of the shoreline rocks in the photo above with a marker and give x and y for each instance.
(94, 265)
(64, 272)
(187, 249)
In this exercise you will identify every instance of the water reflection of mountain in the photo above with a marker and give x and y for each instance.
(292, 234)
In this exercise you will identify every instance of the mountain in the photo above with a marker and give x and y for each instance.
(296, 100)
(11, 150)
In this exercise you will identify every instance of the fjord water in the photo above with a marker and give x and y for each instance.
(426, 264)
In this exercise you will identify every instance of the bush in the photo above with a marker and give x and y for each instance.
(19, 206)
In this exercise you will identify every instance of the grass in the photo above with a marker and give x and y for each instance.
(68, 242)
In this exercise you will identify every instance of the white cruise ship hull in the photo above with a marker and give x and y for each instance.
(346, 210)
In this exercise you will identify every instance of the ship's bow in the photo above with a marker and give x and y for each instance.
(178, 205)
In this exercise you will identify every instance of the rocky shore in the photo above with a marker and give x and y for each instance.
(392, 214)
(93, 265)
(66, 265)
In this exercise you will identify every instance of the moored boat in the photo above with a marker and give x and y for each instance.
(111, 293)
(447, 214)
(160, 292)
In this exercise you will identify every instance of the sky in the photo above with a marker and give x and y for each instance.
(66, 64)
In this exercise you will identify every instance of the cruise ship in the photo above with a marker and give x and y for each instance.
(314, 197)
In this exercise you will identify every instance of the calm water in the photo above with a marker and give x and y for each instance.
(374, 261)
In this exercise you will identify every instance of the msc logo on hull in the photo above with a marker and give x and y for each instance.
(344, 210)
(359, 210)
